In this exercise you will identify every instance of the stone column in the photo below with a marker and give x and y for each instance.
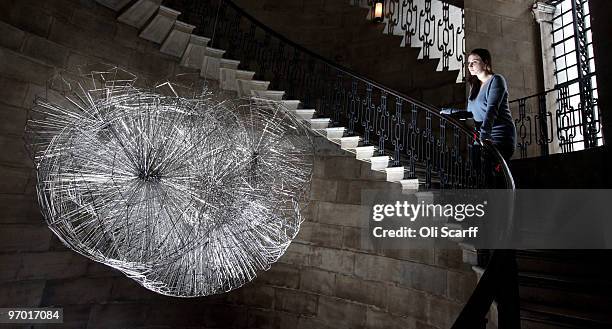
(543, 14)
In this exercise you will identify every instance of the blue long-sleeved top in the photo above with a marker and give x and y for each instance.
(491, 109)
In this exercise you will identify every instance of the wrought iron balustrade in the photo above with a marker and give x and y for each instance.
(435, 26)
(412, 133)
(557, 121)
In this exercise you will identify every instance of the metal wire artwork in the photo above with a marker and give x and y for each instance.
(187, 195)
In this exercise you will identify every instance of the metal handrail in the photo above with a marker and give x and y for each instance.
(556, 88)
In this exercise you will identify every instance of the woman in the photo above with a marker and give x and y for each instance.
(488, 102)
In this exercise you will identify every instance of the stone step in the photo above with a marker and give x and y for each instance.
(319, 123)
(364, 152)
(159, 28)
(379, 162)
(291, 104)
(245, 86)
(305, 114)
(275, 95)
(228, 63)
(410, 184)
(228, 78)
(213, 62)
(395, 174)
(139, 13)
(193, 57)
(335, 133)
(349, 142)
(178, 39)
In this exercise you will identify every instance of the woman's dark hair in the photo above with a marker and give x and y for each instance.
(473, 81)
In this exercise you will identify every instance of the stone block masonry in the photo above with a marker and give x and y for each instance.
(508, 30)
(324, 280)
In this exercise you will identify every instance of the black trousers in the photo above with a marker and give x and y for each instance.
(490, 164)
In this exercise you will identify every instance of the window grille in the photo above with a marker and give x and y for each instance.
(578, 119)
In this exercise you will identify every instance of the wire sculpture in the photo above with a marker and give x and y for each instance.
(186, 194)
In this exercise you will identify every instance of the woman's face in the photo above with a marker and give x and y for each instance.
(476, 65)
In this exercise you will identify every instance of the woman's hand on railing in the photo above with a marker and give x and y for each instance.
(456, 113)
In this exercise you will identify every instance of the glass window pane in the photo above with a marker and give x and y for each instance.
(574, 89)
(559, 50)
(568, 31)
(560, 63)
(571, 58)
(567, 17)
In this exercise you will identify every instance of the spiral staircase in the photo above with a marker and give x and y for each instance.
(549, 296)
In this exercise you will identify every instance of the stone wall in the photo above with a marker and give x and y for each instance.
(508, 30)
(323, 281)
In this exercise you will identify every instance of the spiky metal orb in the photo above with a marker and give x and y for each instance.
(187, 195)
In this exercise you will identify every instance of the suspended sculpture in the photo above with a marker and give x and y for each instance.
(187, 195)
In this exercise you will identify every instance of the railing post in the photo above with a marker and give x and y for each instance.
(397, 133)
(542, 137)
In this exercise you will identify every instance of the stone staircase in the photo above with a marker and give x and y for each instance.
(160, 25)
